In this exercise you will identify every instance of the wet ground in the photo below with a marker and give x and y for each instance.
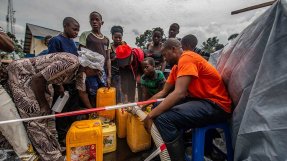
(123, 153)
(8, 155)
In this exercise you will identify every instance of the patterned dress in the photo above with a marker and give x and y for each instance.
(58, 68)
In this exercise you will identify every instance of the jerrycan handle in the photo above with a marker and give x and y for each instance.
(82, 126)
(106, 90)
(105, 125)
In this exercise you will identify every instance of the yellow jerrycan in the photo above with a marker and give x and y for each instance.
(121, 122)
(137, 137)
(84, 141)
(106, 97)
(109, 137)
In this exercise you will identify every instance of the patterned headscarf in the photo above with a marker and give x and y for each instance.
(94, 60)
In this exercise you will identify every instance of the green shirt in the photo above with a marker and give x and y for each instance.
(153, 85)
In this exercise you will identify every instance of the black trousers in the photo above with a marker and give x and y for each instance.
(190, 113)
(73, 104)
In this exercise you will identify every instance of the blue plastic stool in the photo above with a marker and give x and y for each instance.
(198, 141)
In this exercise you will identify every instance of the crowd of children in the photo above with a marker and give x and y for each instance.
(125, 68)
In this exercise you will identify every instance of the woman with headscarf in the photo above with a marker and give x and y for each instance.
(14, 133)
(28, 80)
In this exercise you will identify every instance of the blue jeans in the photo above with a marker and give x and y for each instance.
(190, 113)
(93, 83)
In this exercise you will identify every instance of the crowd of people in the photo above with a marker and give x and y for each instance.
(194, 91)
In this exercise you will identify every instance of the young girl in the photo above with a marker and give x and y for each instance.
(117, 35)
(153, 49)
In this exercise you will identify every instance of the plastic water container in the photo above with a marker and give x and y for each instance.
(60, 103)
(106, 97)
(137, 137)
(121, 122)
(109, 137)
(84, 141)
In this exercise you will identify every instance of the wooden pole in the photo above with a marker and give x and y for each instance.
(253, 7)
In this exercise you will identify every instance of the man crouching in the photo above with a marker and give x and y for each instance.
(199, 97)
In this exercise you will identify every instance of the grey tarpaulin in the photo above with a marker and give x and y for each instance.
(254, 68)
(213, 58)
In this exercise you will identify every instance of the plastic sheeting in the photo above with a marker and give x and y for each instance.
(213, 58)
(254, 68)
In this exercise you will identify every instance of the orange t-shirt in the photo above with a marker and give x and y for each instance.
(206, 82)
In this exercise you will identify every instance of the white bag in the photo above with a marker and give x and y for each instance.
(15, 133)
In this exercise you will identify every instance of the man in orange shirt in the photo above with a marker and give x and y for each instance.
(199, 97)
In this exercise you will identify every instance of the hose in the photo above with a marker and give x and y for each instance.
(161, 148)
